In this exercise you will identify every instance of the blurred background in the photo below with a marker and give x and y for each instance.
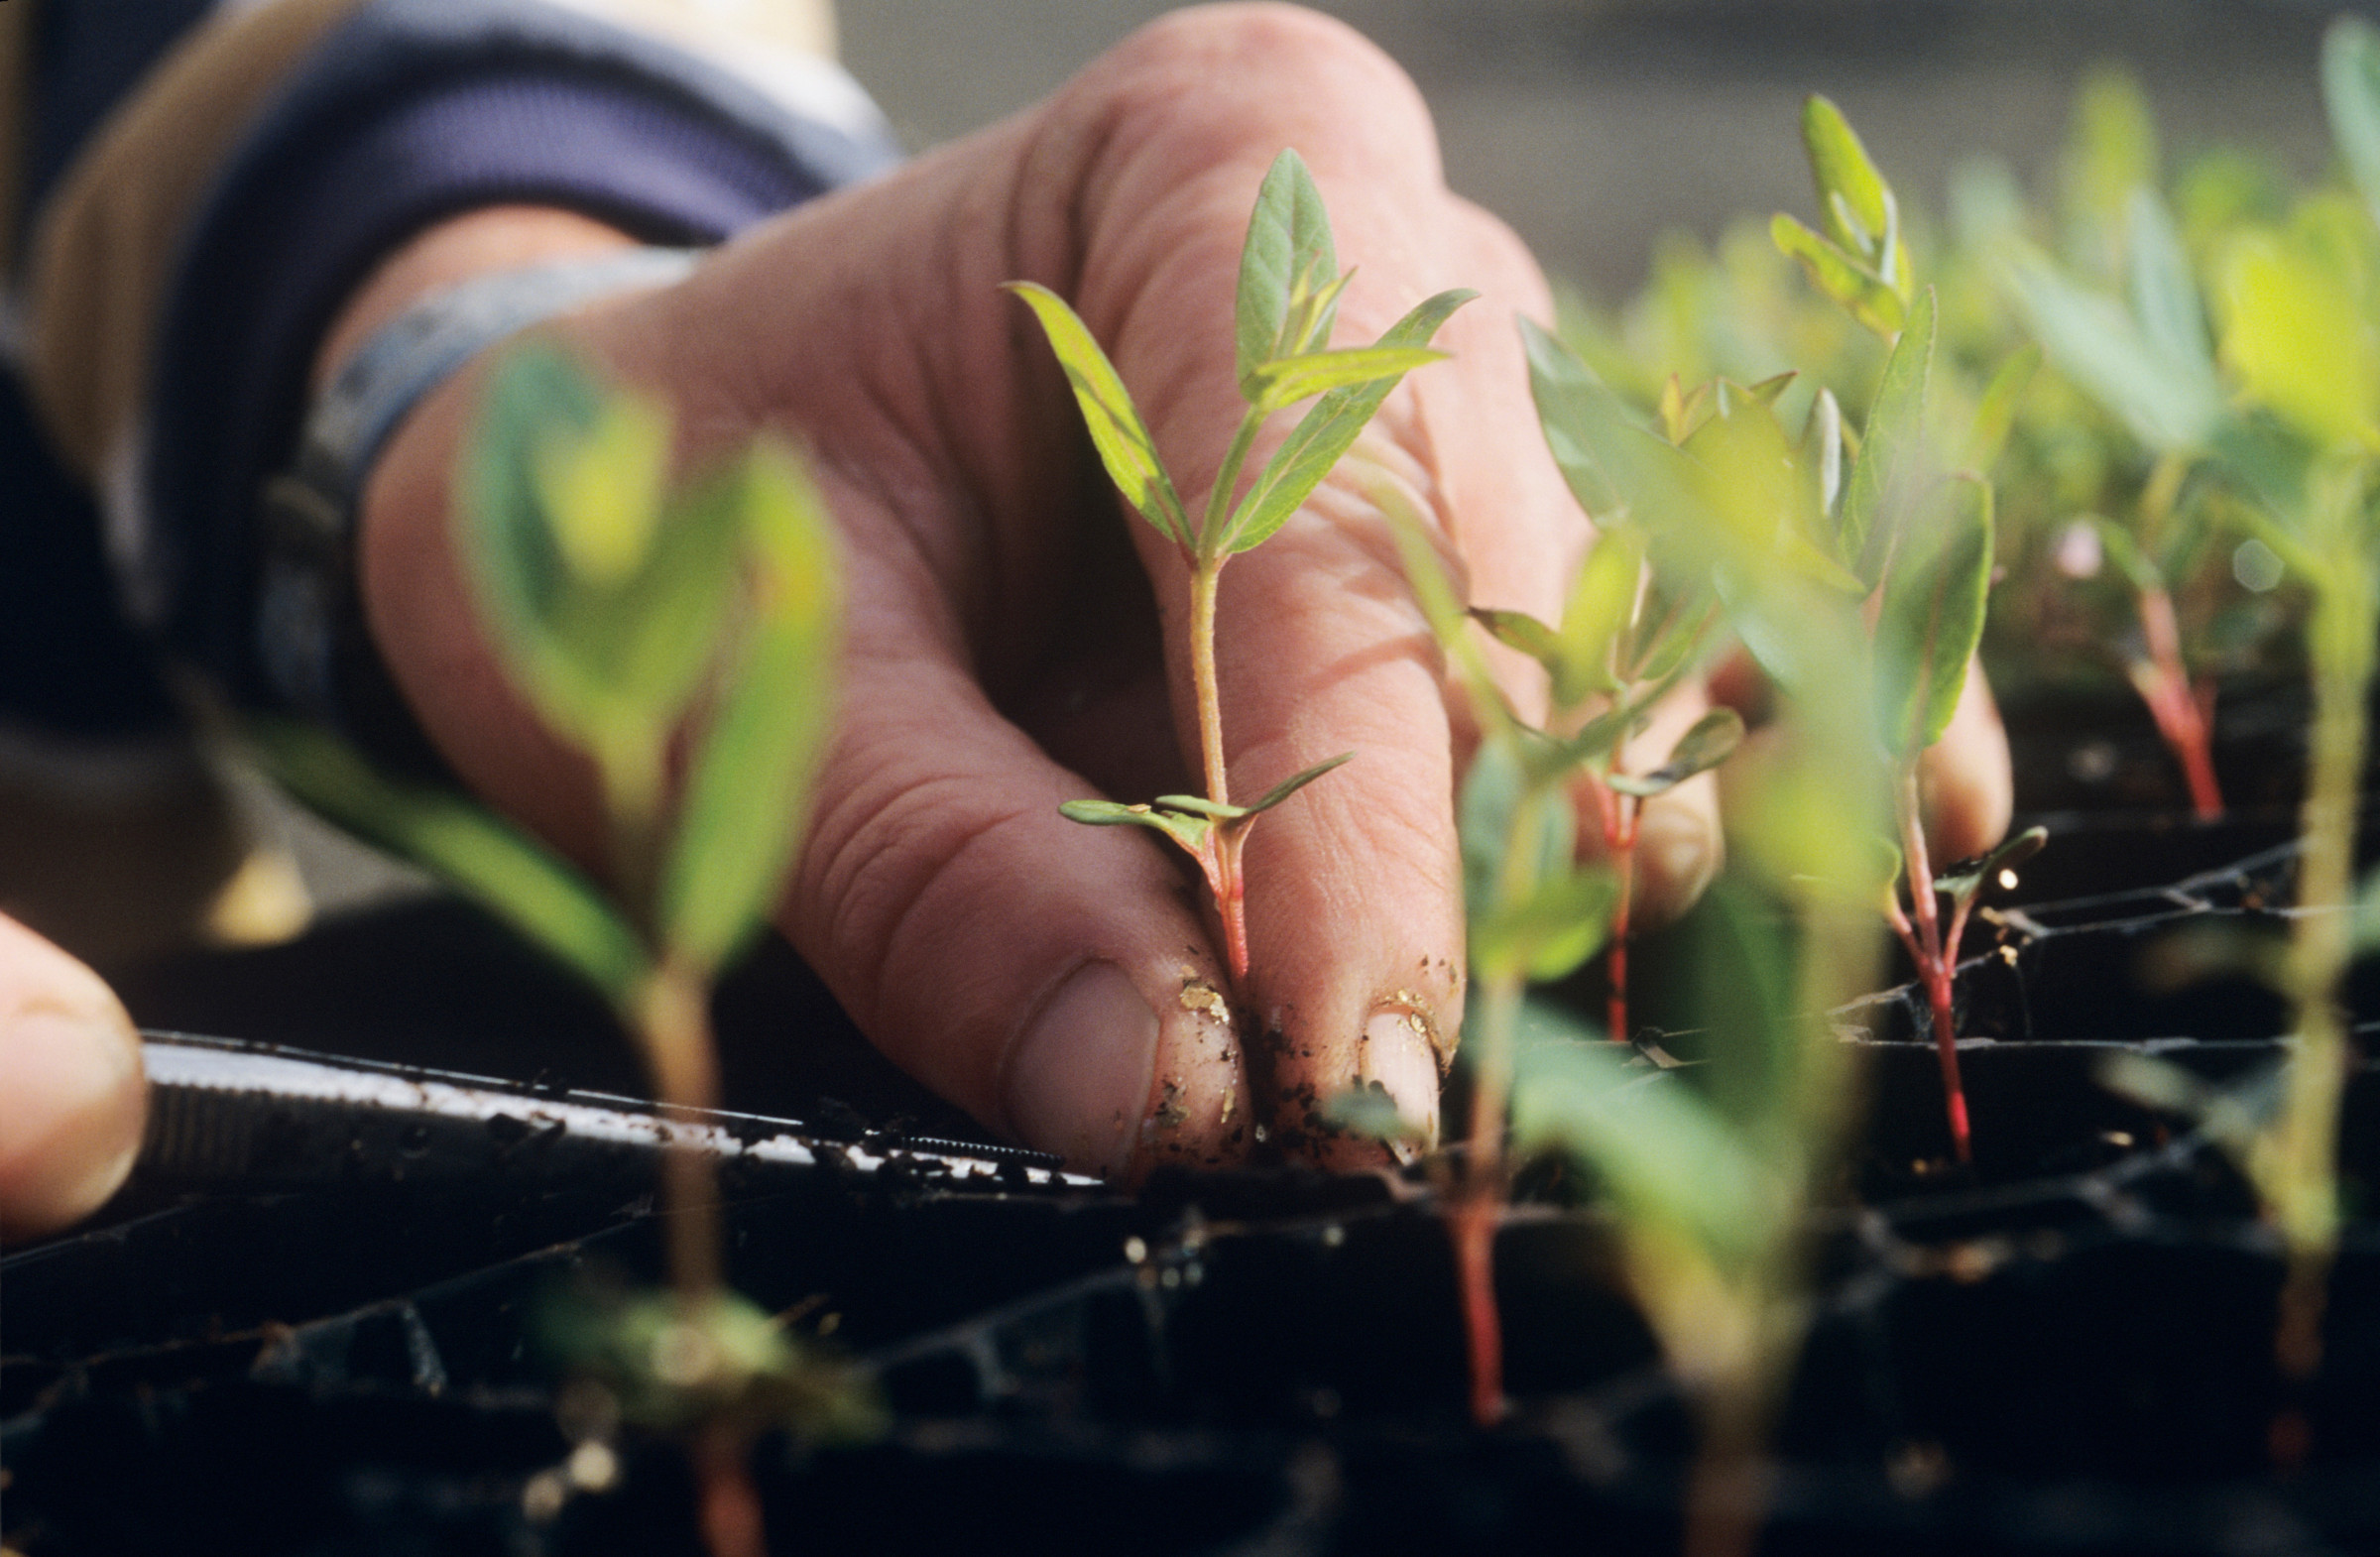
(1594, 125)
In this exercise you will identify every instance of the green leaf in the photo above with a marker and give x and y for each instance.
(1521, 631)
(1858, 290)
(2352, 98)
(746, 793)
(1514, 831)
(1276, 385)
(1995, 413)
(1584, 424)
(1368, 1111)
(2118, 545)
(601, 487)
(605, 613)
(1288, 246)
(1933, 617)
(1852, 196)
(1891, 448)
(1669, 1158)
(1117, 431)
(1550, 932)
(1325, 433)
(1599, 617)
(488, 860)
(2112, 151)
(2097, 343)
(1960, 882)
(1191, 832)
(2165, 291)
(2296, 334)
(1711, 741)
(1821, 450)
(1296, 781)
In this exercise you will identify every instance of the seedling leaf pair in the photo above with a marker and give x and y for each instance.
(1283, 314)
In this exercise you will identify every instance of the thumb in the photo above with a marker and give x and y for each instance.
(71, 1094)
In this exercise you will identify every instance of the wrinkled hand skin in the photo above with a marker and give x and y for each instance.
(1062, 983)
(71, 1094)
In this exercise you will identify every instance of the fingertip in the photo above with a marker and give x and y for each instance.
(1966, 785)
(72, 1096)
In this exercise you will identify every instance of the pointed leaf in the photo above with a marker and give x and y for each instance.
(1283, 383)
(1960, 882)
(1858, 290)
(747, 796)
(2097, 343)
(1933, 617)
(491, 862)
(1325, 433)
(1288, 237)
(1117, 431)
(2352, 98)
(1191, 832)
(1514, 831)
(1822, 449)
(1550, 932)
(2119, 545)
(1711, 741)
(1890, 448)
(602, 487)
(1669, 1158)
(1995, 413)
(1852, 194)
(1296, 781)
(2165, 291)
(1599, 616)
(1521, 631)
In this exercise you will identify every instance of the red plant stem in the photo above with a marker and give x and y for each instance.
(1934, 968)
(1479, 1209)
(727, 1504)
(2181, 709)
(1621, 816)
(1473, 1224)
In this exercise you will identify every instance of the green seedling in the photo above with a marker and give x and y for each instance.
(1532, 912)
(634, 613)
(2290, 422)
(1288, 297)
(2151, 357)
(1915, 538)
(1629, 633)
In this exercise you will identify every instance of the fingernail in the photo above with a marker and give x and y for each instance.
(73, 1123)
(1078, 1077)
(1398, 1055)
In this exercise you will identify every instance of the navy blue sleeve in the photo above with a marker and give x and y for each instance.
(410, 111)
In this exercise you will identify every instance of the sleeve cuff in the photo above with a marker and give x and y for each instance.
(411, 111)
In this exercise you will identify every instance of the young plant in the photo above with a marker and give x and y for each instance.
(2163, 379)
(1628, 634)
(1288, 298)
(631, 611)
(1915, 540)
(2293, 427)
(1532, 913)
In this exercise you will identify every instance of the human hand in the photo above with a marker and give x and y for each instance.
(1058, 981)
(71, 1094)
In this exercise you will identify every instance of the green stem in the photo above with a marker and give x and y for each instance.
(673, 1022)
(2302, 1181)
(1230, 897)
